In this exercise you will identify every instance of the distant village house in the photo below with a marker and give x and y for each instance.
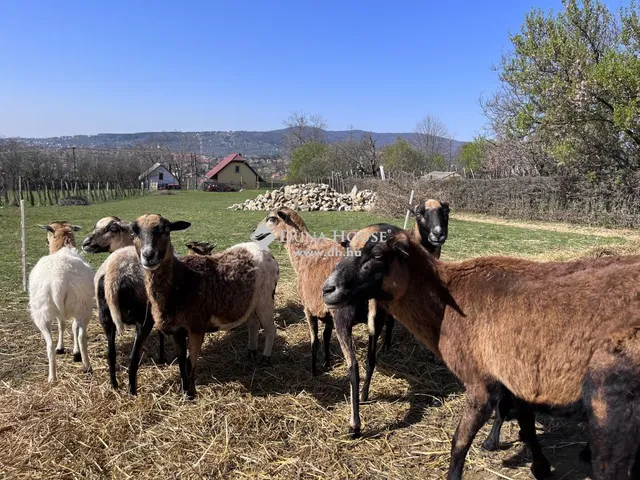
(158, 177)
(435, 175)
(234, 170)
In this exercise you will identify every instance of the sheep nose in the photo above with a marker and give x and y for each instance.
(147, 254)
(86, 242)
(437, 230)
(328, 289)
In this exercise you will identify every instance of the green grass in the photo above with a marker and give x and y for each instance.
(212, 221)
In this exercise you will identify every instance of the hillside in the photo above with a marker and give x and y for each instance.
(206, 143)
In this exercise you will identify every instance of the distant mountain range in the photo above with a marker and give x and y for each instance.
(208, 143)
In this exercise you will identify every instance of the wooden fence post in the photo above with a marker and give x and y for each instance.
(23, 252)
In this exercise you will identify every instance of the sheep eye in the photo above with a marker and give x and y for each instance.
(271, 219)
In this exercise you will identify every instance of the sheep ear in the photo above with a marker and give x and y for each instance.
(48, 228)
(345, 243)
(445, 206)
(179, 225)
(412, 210)
(283, 216)
(76, 228)
(402, 249)
(213, 245)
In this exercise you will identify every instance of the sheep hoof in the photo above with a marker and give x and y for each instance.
(541, 471)
(60, 351)
(252, 355)
(489, 445)
(189, 397)
(585, 454)
(355, 433)
(88, 370)
(162, 361)
(114, 384)
(364, 397)
(77, 357)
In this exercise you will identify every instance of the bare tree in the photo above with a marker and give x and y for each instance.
(303, 128)
(432, 138)
(360, 155)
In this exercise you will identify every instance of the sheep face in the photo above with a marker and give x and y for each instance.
(379, 272)
(284, 223)
(432, 218)
(109, 234)
(60, 234)
(152, 239)
(200, 248)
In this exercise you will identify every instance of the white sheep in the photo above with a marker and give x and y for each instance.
(61, 287)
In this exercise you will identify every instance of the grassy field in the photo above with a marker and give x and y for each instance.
(248, 422)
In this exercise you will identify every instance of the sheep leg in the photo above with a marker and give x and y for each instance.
(613, 407)
(388, 332)
(253, 326)
(312, 321)
(162, 359)
(84, 349)
(326, 341)
(344, 318)
(480, 402)
(142, 332)
(502, 409)
(76, 345)
(110, 332)
(540, 466)
(195, 344)
(51, 353)
(379, 322)
(265, 317)
(61, 327)
(180, 340)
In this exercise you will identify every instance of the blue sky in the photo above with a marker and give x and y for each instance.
(89, 67)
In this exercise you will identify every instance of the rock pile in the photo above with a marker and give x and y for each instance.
(311, 197)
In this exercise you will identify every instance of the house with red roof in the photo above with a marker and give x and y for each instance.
(234, 170)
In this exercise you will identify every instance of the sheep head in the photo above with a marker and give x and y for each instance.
(432, 221)
(109, 234)
(152, 239)
(200, 248)
(379, 271)
(60, 235)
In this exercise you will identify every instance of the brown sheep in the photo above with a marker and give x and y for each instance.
(313, 259)
(431, 230)
(120, 293)
(195, 294)
(586, 327)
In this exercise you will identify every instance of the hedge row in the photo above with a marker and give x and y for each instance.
(566, 199)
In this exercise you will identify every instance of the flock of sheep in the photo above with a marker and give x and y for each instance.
(523, 336)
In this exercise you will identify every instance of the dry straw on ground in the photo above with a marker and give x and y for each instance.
(247, 421)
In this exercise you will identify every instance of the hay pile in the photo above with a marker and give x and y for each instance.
(311, 197)
(276, 422)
